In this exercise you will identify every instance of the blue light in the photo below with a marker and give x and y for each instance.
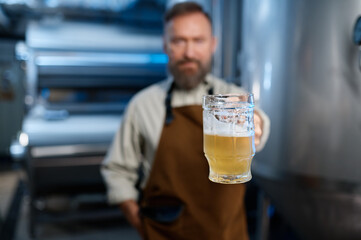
(45, 93)
(100, 59)
(159, 58)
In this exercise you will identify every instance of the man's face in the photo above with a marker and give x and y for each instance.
(189, 44)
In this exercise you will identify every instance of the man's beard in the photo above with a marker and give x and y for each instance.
(189, 79)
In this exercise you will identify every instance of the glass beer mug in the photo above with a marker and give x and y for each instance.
(228, 132)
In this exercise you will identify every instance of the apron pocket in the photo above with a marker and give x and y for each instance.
(162, 214)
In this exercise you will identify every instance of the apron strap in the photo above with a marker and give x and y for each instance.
(168, 105)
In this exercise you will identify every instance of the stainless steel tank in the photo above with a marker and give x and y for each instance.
(299, 59)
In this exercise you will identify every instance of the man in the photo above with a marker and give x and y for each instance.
(161, 137)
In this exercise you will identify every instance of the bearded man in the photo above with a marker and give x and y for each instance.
(161, 135)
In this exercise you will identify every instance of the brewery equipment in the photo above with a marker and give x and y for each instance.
(80, 77)
(299, 59)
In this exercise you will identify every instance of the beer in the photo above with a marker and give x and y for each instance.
(229, 156)
(228, 130)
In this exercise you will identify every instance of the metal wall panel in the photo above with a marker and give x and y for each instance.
(299, 59)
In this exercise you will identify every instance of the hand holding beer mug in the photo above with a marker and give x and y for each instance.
(228, 131)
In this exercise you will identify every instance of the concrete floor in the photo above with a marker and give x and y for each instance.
(102, 229)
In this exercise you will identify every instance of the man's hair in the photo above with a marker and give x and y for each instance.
(185, 8)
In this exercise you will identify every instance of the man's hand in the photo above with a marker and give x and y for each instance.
(258, 124)
(130, 210)
(257, 128)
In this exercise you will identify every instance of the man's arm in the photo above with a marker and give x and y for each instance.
(120, 168)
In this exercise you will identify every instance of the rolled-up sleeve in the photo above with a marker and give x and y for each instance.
(120, 166)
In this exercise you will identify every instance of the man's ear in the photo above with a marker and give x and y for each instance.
(214, 44)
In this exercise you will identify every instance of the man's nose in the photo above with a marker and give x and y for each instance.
(189, 51)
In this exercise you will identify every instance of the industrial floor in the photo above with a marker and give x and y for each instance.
(14, 216)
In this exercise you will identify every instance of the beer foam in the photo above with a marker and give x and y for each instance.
(228, 127)
(230, 134)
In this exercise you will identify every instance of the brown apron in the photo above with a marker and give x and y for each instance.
(178, 187)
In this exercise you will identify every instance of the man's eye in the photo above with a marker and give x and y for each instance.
(177, 41)
(199, 40)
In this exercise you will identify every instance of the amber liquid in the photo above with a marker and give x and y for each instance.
(229, 158)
